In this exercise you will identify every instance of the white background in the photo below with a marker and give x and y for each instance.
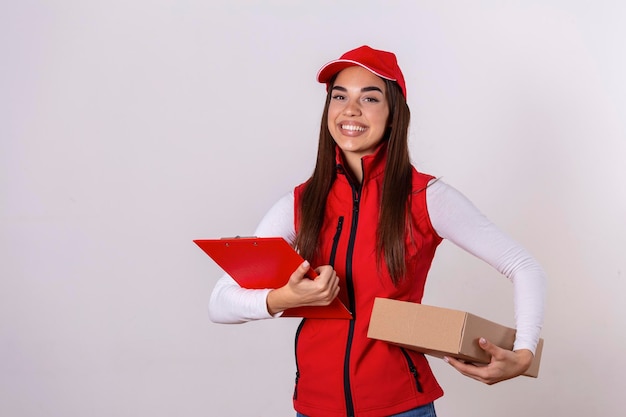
(129, 128)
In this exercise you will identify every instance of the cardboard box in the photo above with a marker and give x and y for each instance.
(440, 331)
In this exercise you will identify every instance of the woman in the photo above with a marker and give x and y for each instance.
(371, 224)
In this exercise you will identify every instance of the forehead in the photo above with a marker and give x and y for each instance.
(359, 77)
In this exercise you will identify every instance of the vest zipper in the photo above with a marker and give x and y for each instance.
(356, 197)
(333, 251)
(295, 389)
(413, 370)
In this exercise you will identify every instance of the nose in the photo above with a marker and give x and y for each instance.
(352, 108)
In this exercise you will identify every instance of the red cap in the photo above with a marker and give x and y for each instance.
(381, 63)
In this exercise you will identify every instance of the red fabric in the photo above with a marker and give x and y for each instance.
(380, 382)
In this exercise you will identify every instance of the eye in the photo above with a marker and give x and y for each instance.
(338, 97)
(371, 99)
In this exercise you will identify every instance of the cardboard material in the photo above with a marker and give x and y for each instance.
(441, 332)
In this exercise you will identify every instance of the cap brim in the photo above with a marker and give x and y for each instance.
(333, 67)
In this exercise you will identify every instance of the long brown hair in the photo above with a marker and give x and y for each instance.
(392, 221)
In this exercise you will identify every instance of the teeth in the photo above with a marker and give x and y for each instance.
(353, 128)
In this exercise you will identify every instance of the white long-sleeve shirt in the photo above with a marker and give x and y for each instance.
(453, 217)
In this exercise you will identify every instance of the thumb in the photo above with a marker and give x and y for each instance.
(303, 268)
(487, 346)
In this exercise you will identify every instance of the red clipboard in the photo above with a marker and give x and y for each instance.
(266, 262)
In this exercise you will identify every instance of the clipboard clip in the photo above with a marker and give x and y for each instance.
(239, 237)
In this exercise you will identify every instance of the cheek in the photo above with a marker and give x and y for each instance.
(331, 126)
(385, 117)
(381, 119)
(331, 119)
(333, 111)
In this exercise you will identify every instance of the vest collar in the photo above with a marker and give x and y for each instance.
(373, 165)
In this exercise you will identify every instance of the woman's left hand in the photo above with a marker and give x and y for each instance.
(505, 364)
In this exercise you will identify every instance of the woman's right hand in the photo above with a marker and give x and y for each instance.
(302, 291)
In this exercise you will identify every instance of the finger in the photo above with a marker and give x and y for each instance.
(478, 373)
(335, 283)
(331, 288)
(327, 276)
(324, 270)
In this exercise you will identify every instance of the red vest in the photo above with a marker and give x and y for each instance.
(341, 372)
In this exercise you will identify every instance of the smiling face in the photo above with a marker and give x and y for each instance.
(357, 114)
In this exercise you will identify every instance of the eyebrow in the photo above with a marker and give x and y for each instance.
(363, 90)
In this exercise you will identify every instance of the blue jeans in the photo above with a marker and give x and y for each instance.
(427, 410)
